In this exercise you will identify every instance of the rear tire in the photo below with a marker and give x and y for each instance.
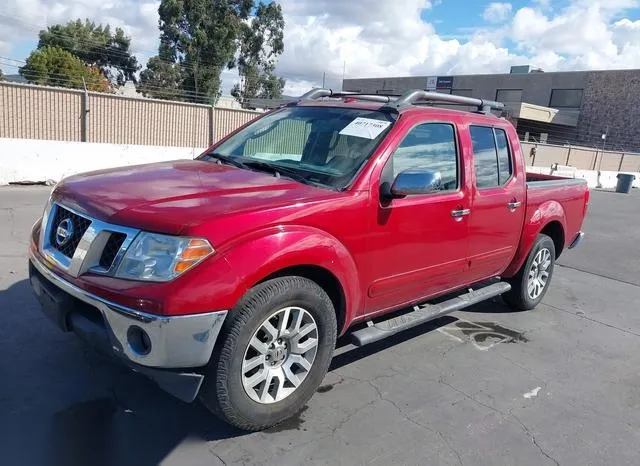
(531, 283)
(273, 353)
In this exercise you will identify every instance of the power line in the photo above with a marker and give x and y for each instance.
(189, 92)
(99, 48)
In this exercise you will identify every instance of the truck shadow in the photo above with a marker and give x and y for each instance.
(66, 405)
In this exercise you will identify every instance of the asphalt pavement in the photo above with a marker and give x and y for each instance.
(558, 385)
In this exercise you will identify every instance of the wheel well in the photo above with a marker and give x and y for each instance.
(325, 279)
(556, 233)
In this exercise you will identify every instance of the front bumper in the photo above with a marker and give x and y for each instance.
(170, 342)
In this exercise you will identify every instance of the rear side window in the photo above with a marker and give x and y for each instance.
(491, 156)
(504, 156)
(430, 146)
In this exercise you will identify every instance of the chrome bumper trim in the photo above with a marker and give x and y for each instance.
(577, 240)
(176, 341)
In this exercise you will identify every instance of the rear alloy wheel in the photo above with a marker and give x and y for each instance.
(274, 350)
(530, 284)
(538, 276)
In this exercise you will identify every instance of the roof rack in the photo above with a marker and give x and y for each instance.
(418, 96)
(412, 97)
(319, 93)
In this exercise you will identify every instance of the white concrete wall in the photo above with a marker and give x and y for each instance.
(38, 160)
(608, 179)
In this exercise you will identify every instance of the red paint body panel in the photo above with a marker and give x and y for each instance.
(384, 254)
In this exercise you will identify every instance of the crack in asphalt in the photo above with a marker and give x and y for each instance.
(608, 277)
(209, 449)
(533, 439)
(526, 369)
(506, 415)
(413, 421)
(591, 319)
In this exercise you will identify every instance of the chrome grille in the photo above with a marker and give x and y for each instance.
(110, 251)
(78, 243)
(67, 244)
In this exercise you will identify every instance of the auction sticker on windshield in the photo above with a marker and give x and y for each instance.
(365, 128)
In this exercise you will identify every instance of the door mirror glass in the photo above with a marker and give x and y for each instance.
(416, 181)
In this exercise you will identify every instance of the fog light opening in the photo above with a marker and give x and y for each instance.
(139, 340)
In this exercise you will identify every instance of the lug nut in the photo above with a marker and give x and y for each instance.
(280, 340)
(267, 357)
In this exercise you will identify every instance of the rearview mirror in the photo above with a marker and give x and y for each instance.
(416, 181)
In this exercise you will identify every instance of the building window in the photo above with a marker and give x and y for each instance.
(565, 98)
(462, 92)
(509, 95)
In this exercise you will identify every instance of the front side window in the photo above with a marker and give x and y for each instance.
(491, 156)
(324, 146)
(430, 146)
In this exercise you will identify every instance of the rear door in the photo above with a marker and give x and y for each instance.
(418, 244)
(498, 204)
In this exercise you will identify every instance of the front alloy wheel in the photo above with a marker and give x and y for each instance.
(280, 354)
(272, 354)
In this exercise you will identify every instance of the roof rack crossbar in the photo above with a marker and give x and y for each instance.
(319, 93)
(418, 95)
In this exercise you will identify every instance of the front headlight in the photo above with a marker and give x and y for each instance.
(160, 258)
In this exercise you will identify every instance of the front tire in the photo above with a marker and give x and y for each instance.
(275, 349)
(531, 283)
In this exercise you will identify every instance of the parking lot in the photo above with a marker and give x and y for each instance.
(558, 385)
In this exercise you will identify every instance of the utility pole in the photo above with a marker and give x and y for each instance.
(604, 141)
(84, 125)
(323, 78)
(344, 67)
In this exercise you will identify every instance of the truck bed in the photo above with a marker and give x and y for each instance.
(539, 180)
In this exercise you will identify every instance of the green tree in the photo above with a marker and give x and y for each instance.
(161, 79)
(95, 45)
(261, 43)
(53, 66)
(1, 76)
(201, 36)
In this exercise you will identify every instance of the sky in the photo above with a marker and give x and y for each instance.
(381, 38)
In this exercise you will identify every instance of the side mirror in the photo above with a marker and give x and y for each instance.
(416, 181)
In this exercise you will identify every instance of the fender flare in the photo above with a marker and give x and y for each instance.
(254, 257)
(540, 218)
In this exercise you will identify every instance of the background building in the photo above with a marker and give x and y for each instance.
(574, 108)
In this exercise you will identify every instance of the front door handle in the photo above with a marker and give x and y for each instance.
(513, 205)
(460, 213)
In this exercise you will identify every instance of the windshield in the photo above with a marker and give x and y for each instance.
(321, 145)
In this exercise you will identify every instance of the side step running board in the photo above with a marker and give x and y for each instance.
(425, 313)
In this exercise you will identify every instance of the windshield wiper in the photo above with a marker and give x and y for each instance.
(277, 170)
(227, 160)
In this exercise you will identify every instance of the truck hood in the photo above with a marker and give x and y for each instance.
(170, 197)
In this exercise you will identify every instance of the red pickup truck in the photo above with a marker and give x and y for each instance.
(229, 277)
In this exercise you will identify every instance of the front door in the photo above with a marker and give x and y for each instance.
(418, 244)
(497, 213)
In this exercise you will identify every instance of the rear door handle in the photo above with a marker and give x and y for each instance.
(460, 213)
(513, 205)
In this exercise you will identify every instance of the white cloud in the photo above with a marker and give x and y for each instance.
(543, 4)
(377, 38)
(497, 12)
